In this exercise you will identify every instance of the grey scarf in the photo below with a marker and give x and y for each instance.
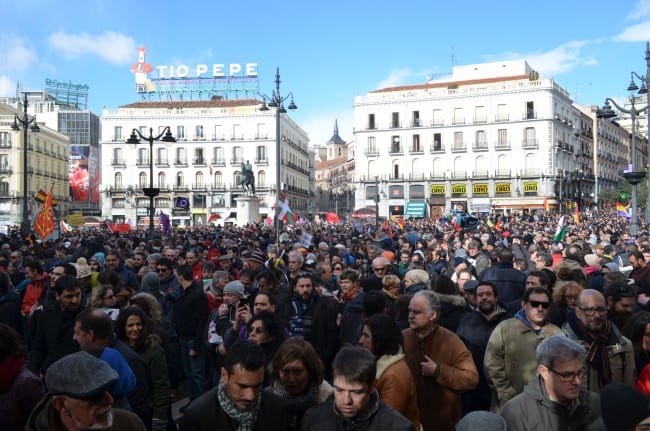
(244, 418)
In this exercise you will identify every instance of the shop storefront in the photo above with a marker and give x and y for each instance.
(416, 209)
(437, 200)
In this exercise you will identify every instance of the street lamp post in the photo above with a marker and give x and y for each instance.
(631, 175)
(645, 85)
(151, 191)
(277, 101)
(376, 205)
(25, 122)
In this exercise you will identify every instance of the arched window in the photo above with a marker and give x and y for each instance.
(198, 179)
(218, 179)
(162, 180)
(142, 180)
(118, 180)
(261, 179)
(4, 188)
(180, 180)
(235, 179)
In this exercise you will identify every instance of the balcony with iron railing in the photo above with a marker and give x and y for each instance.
(530, 144)
(531, 173)
(262, 162)
(142, 162)
(219, 186)
(416, 149)
(416, 122)
(118, 162)
(236, 161)
(480, 146)
(499, 118)
(199, 161)
(529, 115)
(481, 175)
(199, 186)
(436, 149)
(396, 150)
(219, 162)
(437, 122)
(180, 187)
(457, 121)
(480, 119)
(371, 126)
(162, 162)
(458, 175)
(5, 170)
(5, 142)
(459, 147)
(395, 125)
(502, 173)
(502, 145)
(180, 162)
(371, 152)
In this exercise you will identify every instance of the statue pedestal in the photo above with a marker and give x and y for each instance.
(248, 210)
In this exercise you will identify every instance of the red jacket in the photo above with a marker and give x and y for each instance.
(33, 293)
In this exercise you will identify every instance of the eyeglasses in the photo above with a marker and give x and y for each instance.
(109, 297)
(567, 376)
(257, 330)
(337, 268)
(383, 268)
(13, 257)
(537, 304)
(589, 311)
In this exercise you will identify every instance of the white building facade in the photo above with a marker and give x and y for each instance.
(491, 137)
(202, 167)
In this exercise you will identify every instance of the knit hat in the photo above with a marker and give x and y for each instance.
(79, 375)
(460, 260)
(480, 420)
(258, 256)
(83, 269)
(612, 266)
(470, 285)
(151, 282)
(100, 258)
(619, 398)
(592, 260)
(236, 288)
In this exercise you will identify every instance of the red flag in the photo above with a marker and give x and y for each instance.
(332, 217)
(214, 217)
(44, 223)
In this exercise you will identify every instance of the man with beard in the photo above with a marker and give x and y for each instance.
(510, 361)
(555, 400)
(610, 356)
(475, 330)
(78, 398)
(440, 364)
(621, 300)
(314, 318)
(238, 402)
(53, 338)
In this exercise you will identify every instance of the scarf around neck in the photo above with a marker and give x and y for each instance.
(597, 352)
(245, 419)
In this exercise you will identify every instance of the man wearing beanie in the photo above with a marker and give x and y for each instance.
(624, 408)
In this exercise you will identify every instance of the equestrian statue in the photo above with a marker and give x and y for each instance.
(247, 178)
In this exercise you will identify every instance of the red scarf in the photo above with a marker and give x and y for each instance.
(9, 369)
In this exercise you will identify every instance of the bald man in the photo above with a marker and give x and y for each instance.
(610, 356)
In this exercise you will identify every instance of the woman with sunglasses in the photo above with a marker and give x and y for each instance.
(103, 296)
(134, 327)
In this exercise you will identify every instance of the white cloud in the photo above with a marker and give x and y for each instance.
(16, 54)
(115, 48)
(640, 11)
(558, 60)
(7, 86)
(635, 33)
(396, 78)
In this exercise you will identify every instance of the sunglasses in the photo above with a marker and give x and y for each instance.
(537, 304)
(162, 269)
(383, 268)
(257, 330)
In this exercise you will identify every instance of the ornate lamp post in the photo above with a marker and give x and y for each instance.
(376, 204)
(277, 101)
(151, 191)
(25, 122)
(631, 175)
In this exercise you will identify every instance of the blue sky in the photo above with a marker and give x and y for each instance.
(328, 52)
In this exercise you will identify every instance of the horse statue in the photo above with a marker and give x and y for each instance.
(247, 178)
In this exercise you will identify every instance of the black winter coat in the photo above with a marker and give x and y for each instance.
(191, 315)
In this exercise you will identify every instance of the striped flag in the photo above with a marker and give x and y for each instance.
(560, 232)
(622, 210)
(283, 211)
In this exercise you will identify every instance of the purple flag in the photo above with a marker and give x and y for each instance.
(164, 221)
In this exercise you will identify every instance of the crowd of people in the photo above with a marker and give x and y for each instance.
(421, 325)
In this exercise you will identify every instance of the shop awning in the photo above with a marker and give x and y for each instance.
(416, 209)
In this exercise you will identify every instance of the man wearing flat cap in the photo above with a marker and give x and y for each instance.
(78, 398)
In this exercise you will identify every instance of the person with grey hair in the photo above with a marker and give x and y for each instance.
(416, 280)
(380, 268)
(555, 399)
(440, 364)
